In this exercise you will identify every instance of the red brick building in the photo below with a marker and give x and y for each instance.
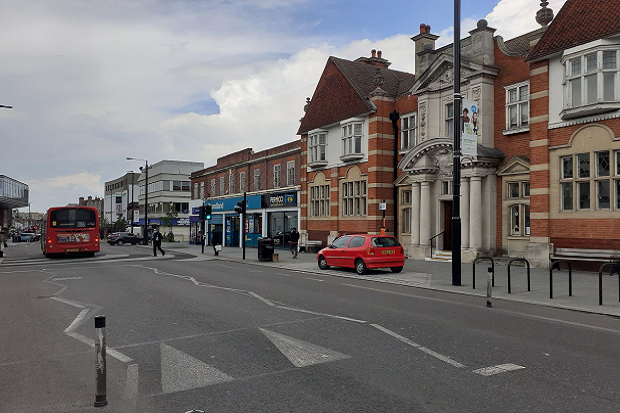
(267, 177)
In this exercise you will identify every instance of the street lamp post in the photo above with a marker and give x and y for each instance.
(146, 197)
(29, 214)
(130, 216)
(456, 154)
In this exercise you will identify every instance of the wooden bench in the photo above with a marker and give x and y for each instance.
(585, 254)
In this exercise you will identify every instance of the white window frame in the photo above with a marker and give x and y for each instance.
(277, 175)
(242, 182)
(449, 120)
(409, 131)
(231, 183)
(354, 197)
(317, 148)
(600, 104)
(518, 105)
(352, 134)
(202, 190)
(195, 190)
(319, 200)
(222, 186)
(257, 179)
(290, 173)
(213, 187)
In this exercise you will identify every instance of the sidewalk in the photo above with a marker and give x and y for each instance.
(438, 276)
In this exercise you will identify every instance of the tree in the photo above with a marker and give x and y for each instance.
(121, 223)
(169, 219)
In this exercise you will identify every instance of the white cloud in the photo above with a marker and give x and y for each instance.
(85, 182)
(513, 18)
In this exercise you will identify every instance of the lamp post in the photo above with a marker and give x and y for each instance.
(456, 154)
(128, 215)
(146, 197)
(29, 214)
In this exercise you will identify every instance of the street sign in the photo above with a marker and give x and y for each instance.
(382, 206)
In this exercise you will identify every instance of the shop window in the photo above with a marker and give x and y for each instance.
(519, 220)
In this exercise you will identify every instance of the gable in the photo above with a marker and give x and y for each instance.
(578, 22)
(515, 166)
(440, 74)
(334, 99)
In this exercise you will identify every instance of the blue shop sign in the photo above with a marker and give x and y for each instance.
(229, 204)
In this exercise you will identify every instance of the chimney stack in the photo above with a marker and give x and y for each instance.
(424, 46)
(373, 53)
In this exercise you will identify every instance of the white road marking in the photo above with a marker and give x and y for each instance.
(180, 371)
(279, 273)
(301, 310)
(313, 279)
(302, 353)
(77, 321)
(109, 351)
(67, 278)
(69, 302)
(131, 383)
(423, 349)
(264, 300)
(500, 368)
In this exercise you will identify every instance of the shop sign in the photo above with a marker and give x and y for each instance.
(182, 221)
(279, 200)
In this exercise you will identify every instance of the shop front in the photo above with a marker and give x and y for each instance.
(282, 217)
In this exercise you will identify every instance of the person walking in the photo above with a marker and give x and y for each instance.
(215, 241)
(294, 242)
(3, 239)
(157, 238)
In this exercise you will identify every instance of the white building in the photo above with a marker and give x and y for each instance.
(121, 198)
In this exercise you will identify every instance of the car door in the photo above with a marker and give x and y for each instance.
(353, 250)
(336, 250)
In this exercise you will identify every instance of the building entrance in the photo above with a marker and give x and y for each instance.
(447, 225)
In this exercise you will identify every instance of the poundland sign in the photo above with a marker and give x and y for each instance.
(279, 200)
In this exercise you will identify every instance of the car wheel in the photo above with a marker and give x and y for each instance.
(396, 269)
(360, 267)
(119, 242)
(323, 263)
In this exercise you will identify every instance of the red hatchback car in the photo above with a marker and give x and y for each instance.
(363, 251)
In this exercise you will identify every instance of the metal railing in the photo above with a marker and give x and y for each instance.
(615, 267)
(431, 240)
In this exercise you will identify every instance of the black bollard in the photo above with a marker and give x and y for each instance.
(100, 361)
(489, 284)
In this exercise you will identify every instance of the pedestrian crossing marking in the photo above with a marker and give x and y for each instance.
(180, 371)
(302, 353)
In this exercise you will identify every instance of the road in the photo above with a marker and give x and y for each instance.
(185, 333)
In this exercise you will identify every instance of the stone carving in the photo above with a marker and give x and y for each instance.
(443, 160)
(447, 77)
(422, 120)
(476, 94)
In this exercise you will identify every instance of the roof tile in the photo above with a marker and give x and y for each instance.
(577, 23)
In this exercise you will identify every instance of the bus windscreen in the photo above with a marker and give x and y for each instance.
(72, 218)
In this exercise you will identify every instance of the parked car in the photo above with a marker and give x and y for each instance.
(120, 238)
(363, 251)
(24, 237)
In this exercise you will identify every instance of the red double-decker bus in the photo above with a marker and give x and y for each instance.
(71, 229)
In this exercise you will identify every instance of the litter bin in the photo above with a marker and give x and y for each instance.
(265, 249)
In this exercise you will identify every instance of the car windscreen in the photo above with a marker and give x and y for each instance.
(73, 218)
(385, 242)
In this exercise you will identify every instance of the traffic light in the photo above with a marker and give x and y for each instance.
(207, 211)
(240, 208)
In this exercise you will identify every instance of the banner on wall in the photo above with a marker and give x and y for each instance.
(471, 119)
(136, 215)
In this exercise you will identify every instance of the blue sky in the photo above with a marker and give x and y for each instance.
(93, 82)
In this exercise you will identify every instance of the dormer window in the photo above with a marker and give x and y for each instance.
(591, 83)
(352, 134)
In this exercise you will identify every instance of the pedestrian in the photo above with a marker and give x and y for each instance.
(3, 239)
(215, 241)
(294, 242)
(157, 238)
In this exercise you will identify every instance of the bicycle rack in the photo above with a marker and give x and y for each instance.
(556, 264)
(492, 266)
(528, 272)
(615, 267)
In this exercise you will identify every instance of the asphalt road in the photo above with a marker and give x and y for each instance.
(185, 333)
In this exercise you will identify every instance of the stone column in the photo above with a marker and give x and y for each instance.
(425, 213)
(464, 213)
(415, 213)
(475, 213)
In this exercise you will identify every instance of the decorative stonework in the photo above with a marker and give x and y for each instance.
(476, 94)
(443, 160)
(423, 120)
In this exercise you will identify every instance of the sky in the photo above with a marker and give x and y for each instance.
(93, 82)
